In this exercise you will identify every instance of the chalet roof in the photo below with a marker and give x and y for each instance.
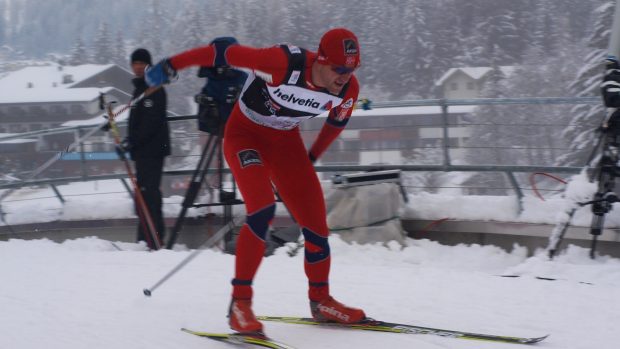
(475, 73)
(51, 95)
(50, 76)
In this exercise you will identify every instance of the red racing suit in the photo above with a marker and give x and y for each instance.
(263, 146)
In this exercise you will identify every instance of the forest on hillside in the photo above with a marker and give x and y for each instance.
(557, 47)
(406, 44)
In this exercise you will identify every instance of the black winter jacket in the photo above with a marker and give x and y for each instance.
(148, 133)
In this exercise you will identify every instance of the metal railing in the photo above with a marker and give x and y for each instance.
(446, 166)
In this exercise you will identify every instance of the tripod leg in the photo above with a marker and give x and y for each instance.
(557, 235)
(194, 187)
(598, 222)
(593, 247)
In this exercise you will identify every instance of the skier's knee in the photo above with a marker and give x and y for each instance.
(259, 221)
(316, 247)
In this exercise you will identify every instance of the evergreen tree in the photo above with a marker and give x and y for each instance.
(587, 118)
(154, 26)
(102, 49)
(78, 54)
(193, 32)
(412, 68)
(120, 57)
(447, 49)
(499, 33)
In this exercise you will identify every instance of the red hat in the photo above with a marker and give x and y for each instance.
(339, 46)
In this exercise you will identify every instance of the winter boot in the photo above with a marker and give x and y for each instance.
(241, 317)
(330, 310)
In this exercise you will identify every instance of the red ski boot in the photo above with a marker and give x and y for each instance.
(241, 317)
(330, 310)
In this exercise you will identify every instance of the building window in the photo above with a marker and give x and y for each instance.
(454, 86)
(471, 86)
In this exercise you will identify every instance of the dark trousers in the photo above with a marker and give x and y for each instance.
(148, 174)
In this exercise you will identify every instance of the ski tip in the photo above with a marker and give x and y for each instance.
(535, 339)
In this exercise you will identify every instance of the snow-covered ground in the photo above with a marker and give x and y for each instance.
(86, 293)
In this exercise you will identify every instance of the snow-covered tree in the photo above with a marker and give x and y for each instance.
(154, 27)
(587, 118)
(102, 49)
(78, 54)
(120, 55)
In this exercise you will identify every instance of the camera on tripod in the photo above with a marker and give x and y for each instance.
(218, 96)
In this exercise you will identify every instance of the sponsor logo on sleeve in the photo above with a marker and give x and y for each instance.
(344, 109)
(148, 103)
(249, 157)
(348, 104)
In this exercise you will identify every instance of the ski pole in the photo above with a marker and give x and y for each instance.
(209, 243)
(139, 198)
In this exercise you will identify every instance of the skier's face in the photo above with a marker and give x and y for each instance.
(333, 78)
(138, 68)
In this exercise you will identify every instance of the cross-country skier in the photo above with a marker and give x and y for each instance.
(263, 146)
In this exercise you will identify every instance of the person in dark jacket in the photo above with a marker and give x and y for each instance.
(148, 143)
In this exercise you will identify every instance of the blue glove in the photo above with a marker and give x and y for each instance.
(159, 74)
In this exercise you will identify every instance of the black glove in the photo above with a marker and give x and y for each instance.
(123, 147)
(106, 127)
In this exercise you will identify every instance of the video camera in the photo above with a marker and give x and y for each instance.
(218, 96)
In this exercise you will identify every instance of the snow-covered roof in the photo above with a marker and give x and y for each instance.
(51, 95)
(15, 140)
(50, 76)
(424, 110)
(475, 73)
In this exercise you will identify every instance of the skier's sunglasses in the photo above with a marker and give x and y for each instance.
(341, 70)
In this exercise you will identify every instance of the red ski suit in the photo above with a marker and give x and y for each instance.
(263, 146)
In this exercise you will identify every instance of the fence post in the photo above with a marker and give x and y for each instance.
(515, 186)
(446, 136)
(82, 152)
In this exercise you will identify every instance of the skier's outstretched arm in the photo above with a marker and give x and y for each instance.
(270, 64)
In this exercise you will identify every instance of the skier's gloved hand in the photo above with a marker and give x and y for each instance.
(106, 127)
(120, 151)
(160, 74)
(126, 144)
(123, 147)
